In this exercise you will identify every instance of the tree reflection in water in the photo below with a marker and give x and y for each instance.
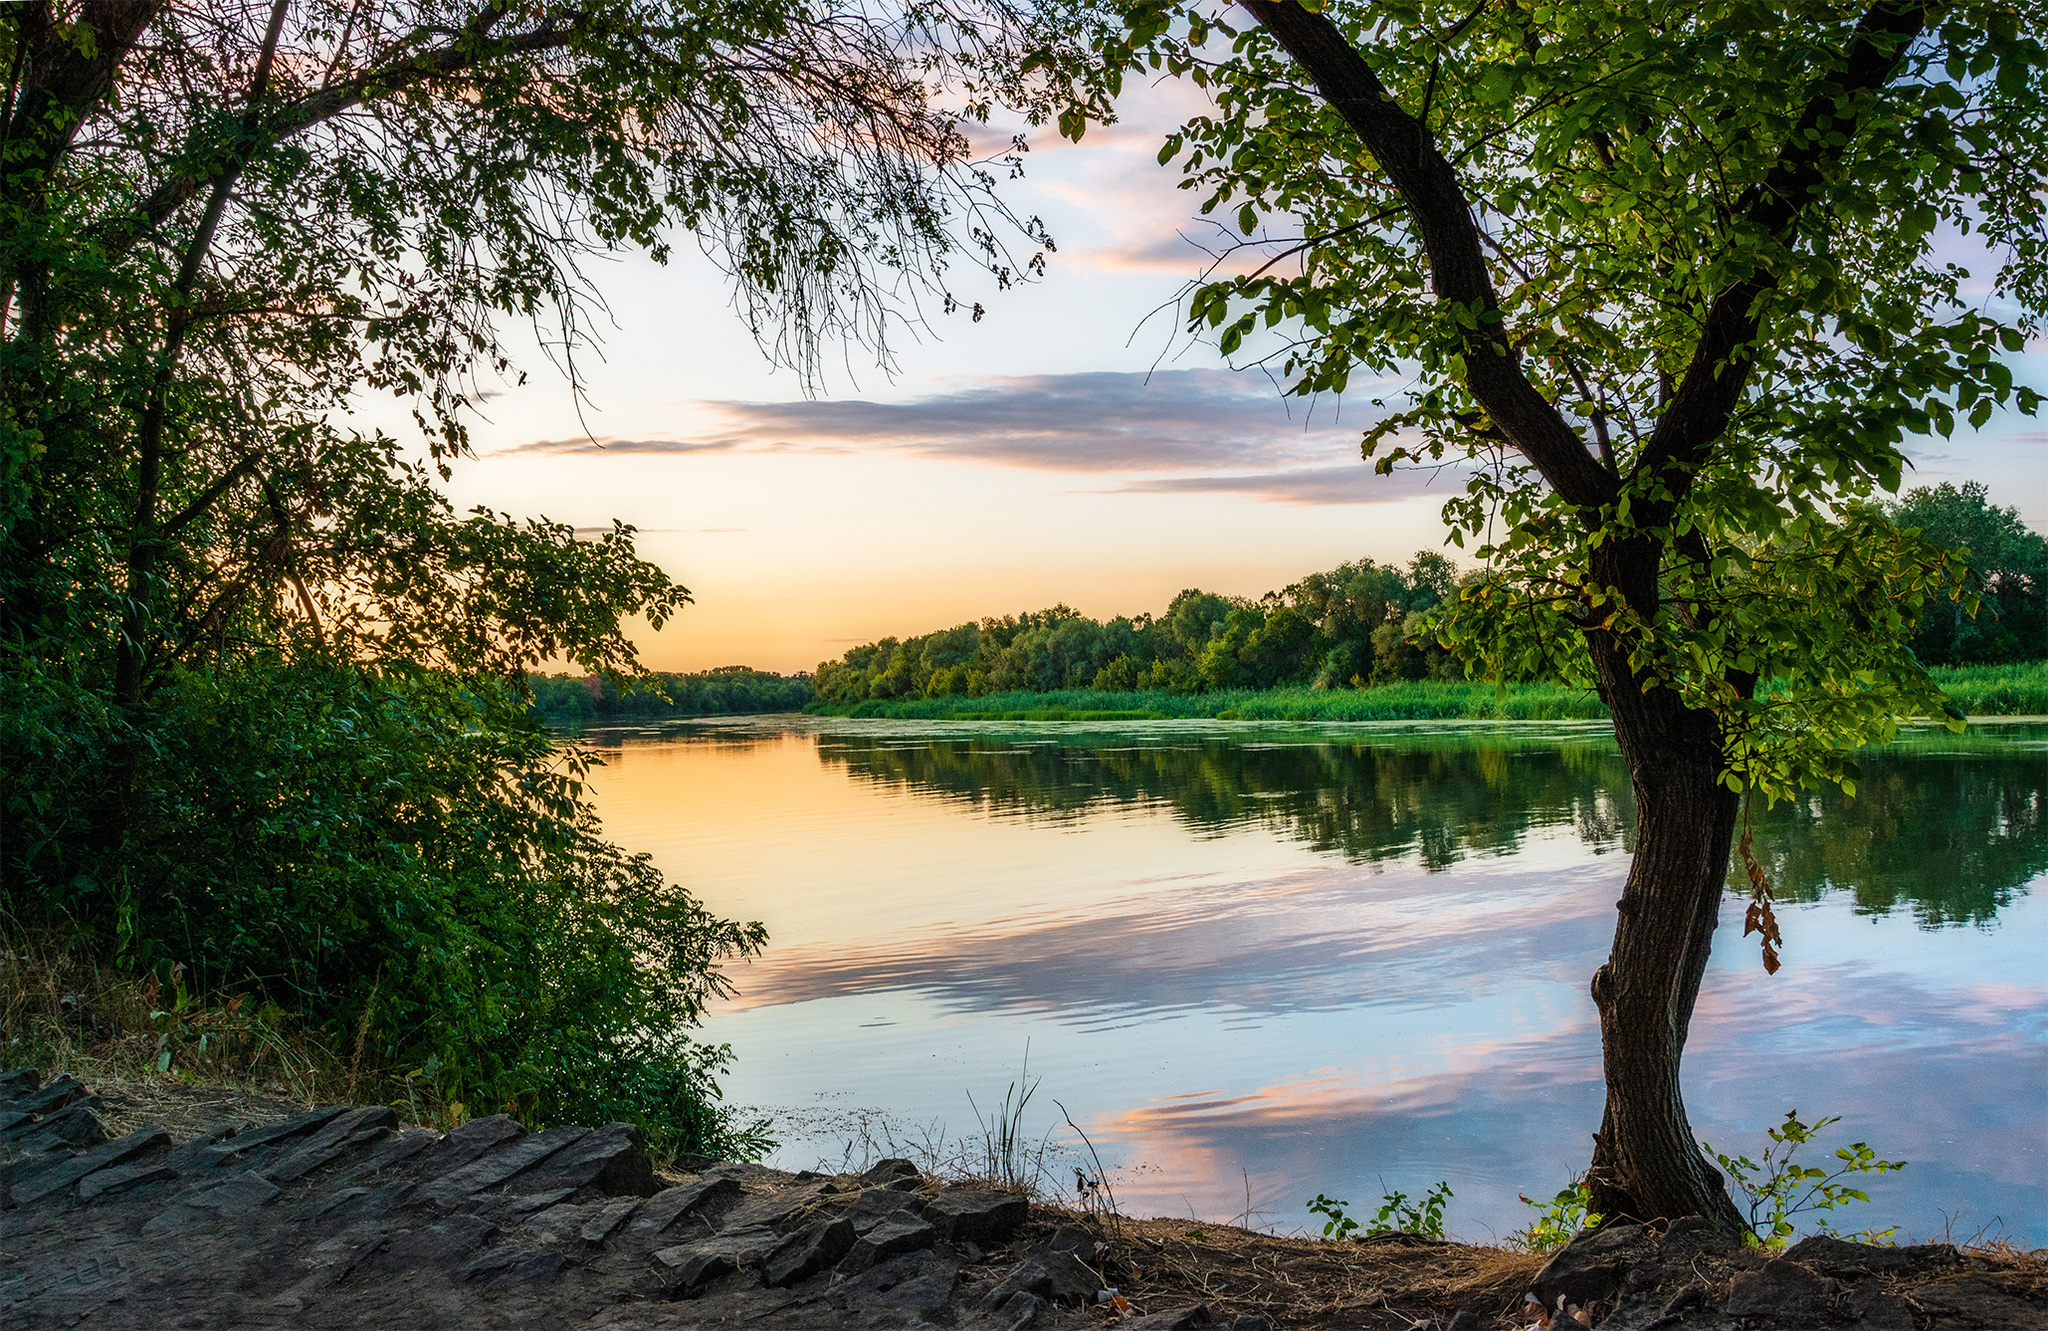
(1951, 829)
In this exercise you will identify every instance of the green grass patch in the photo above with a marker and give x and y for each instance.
(1055, 714)
(2020, 689)
(1993, 690)
(1428, 700)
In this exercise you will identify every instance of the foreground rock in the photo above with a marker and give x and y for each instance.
(1635, 1278)
(345, 1218)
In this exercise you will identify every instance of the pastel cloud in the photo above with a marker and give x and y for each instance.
(1497, 1116)
(1323, 941)
(1354, 484)
(1171, 432)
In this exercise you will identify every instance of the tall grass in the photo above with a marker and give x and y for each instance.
(1006, 1155)
(2020, 689)
(1998, 690)
(1423, 701)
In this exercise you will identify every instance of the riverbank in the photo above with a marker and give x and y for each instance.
(336, 1217)
(2003, 690)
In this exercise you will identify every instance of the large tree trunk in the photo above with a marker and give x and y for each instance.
(1646, 1163)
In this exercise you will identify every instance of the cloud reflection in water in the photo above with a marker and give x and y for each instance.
(1323, 964)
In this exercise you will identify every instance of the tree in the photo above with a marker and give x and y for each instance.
(263, 699)
(2008, 563)
(1679, 280)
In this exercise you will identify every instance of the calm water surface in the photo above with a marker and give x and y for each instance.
(1258, 962)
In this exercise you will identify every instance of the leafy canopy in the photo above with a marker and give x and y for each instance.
(262, 688)
(1730, 258)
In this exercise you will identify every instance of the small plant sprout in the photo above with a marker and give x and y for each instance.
(1425, 1218)
(1396, 1213)
(1337, 1224)
(1779, 1189)
(1558, 1219)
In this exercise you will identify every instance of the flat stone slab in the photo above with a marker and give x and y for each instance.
(495, 1166)
(60, 1092)
(807, 1252)
(602, 1225)
(664, 1209)
(123, 1178)
(34, 1182)
(341, 1136)
(612, 1159)
(977, 1215)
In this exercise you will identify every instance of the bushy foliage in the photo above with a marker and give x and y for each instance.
(402, 860)
(1355, 624)
(1777, 1188)
(1396, 1215)
(725, 691)
(1558, 1220)
(262, 711)
(2007, 562)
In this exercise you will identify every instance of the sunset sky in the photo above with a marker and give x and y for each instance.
(1066, 448)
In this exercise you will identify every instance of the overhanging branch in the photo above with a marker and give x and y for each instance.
(1718, 373)
(1429, 186)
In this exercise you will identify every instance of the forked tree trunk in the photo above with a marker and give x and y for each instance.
(1646, 1163)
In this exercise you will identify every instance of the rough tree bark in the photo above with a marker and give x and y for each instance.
(1646, 1162)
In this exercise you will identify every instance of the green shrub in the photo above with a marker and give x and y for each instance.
(1558, 1219)
(1396, 1212)
(392, 858)
(1777, 1188)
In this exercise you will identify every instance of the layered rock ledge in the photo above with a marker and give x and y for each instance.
(342, 1217)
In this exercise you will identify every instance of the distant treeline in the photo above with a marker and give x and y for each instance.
(1349, 626)
(1356, 626)
(2010, 562)
(1979, 690)
(725, 691)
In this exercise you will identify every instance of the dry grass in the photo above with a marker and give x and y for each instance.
(1306, 1282)
(2020, 1272)
(1157, 1264)
(189, 1110)
(155, 1054)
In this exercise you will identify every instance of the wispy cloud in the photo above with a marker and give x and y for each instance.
(586, 443)
(1353, 484)
(1173, 431)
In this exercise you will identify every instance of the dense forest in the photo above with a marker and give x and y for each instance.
(2008, 561)
(1356, 624)
(724, 691)
(1363, 623)
(275, 802)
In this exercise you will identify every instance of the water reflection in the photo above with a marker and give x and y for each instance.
(1294, 959)
(1951, 830)
(1952, 834)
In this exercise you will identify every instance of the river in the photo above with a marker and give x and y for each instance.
(1258, 962)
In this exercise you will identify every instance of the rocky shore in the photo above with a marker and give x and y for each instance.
(341, 1217)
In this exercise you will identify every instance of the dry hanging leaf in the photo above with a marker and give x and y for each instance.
(1759, 919)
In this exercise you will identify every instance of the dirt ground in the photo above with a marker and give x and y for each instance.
(204, 1232)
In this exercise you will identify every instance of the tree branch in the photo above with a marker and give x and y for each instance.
(1718, 373)
(1429, 185)
(466, 52)
(66, 79)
